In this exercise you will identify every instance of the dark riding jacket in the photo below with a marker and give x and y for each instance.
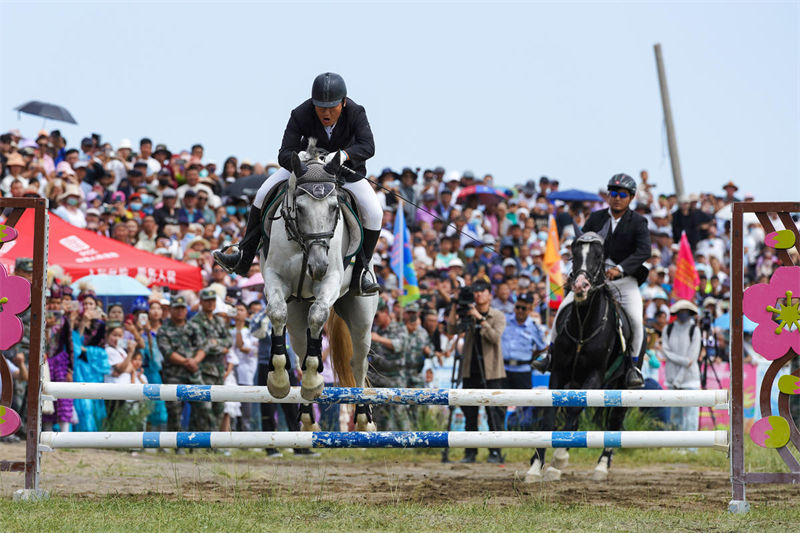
(629, 244)
(352, 134)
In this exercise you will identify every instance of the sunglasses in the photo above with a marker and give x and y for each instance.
(521, 307)
(621, 194)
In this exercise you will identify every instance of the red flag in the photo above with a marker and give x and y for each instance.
(552, 264)
(686, 278)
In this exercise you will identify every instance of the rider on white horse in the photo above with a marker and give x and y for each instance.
(626, 245)
(340, 127)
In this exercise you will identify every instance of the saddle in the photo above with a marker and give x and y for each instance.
(347, 204)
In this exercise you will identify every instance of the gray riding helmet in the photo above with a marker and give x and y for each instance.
(622, 181)
(328, 90)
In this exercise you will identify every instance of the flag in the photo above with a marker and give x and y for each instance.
(552, 265)
(402, 262)
(686, 278)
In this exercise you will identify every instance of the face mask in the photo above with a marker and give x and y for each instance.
(469, 252)
(147, 199)
(536, 278)
(523, 283)
(136, 206)
(231, 210)
(541, 206)
(683, 316)
(204, 173)
(72, 201)
(189, 236)
(542, 235)
(243, 210)
(122, 345)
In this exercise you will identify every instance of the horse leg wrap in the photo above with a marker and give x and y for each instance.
(313, 349)
(305, 409)
(363, 409)
(278, 348)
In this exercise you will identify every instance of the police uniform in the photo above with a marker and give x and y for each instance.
(520, 342)
(387, 368)
(218, 342)
(185, 340)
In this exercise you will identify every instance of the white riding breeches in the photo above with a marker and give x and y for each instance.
(626, 290)
(369, 207)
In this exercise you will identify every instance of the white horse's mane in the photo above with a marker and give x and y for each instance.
(312, 154)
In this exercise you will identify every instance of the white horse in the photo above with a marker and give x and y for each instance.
(306, 281)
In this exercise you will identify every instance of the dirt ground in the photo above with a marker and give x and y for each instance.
(397, 476)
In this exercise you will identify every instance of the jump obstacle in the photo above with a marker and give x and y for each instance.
(39, 441)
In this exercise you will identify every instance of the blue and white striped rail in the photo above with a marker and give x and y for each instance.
(392, 439)
(452, 397)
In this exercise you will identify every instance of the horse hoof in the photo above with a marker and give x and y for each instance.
(307, 424)
(312, 382)
(601, 470)
(551, 474)
(534, 473)
(560, 458)
(278, 384)
(363, 423)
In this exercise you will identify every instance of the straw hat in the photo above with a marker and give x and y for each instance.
(15, 159)
(683, 305)
(71, 190)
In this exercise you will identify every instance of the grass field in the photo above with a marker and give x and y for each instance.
(389, 490)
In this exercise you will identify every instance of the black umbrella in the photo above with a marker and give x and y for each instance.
(42, 109)
(247, 186)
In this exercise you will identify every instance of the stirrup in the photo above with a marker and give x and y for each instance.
(374, 286)
(222, 251)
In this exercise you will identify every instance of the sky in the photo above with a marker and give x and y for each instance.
(520, 90)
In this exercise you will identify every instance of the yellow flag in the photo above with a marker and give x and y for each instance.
(552, 264)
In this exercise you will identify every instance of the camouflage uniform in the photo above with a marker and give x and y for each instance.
(413, 348)
(387, 369)
(218, 342)
(185, 340)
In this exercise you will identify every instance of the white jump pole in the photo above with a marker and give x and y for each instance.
(451, 397)
(392, 439)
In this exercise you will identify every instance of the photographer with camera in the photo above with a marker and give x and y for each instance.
(482, 366)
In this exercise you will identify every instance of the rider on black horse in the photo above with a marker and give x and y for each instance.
(340, 127)
(626, 246)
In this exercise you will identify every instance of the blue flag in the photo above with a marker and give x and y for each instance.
(402, 260)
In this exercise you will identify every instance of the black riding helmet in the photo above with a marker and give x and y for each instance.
(622, 181)
(328, 90)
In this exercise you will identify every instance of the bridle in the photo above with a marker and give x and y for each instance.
(318, 190)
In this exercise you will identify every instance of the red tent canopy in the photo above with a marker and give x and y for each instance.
(82, 253)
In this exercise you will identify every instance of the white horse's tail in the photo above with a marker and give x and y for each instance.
(341, 349)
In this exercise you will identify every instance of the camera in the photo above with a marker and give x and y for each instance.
(464, 302)
(707, 321)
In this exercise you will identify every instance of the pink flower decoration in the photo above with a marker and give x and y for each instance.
(769, 340)
(15, 297)
(7, 233)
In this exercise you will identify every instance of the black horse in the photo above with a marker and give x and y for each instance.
(588, 352)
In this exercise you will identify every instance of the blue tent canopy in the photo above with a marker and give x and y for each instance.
(574, 195)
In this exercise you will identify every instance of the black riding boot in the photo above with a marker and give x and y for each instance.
(363, 282)
(239, 262)
(633, 378)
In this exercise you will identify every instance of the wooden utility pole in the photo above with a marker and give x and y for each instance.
(677, 177)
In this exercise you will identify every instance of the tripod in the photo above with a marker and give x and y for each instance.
(709, 341)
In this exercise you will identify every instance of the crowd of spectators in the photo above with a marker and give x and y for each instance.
(176, 204)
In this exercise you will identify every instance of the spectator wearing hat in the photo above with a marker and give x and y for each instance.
(387, 368)
(409, 191)
(183, 345)
(168, 212)
(16, 167)
(681, 344)
(416, 347)
(69, 209)
(482, 367)
(689, 219)
(730, 189)
(522, 342)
